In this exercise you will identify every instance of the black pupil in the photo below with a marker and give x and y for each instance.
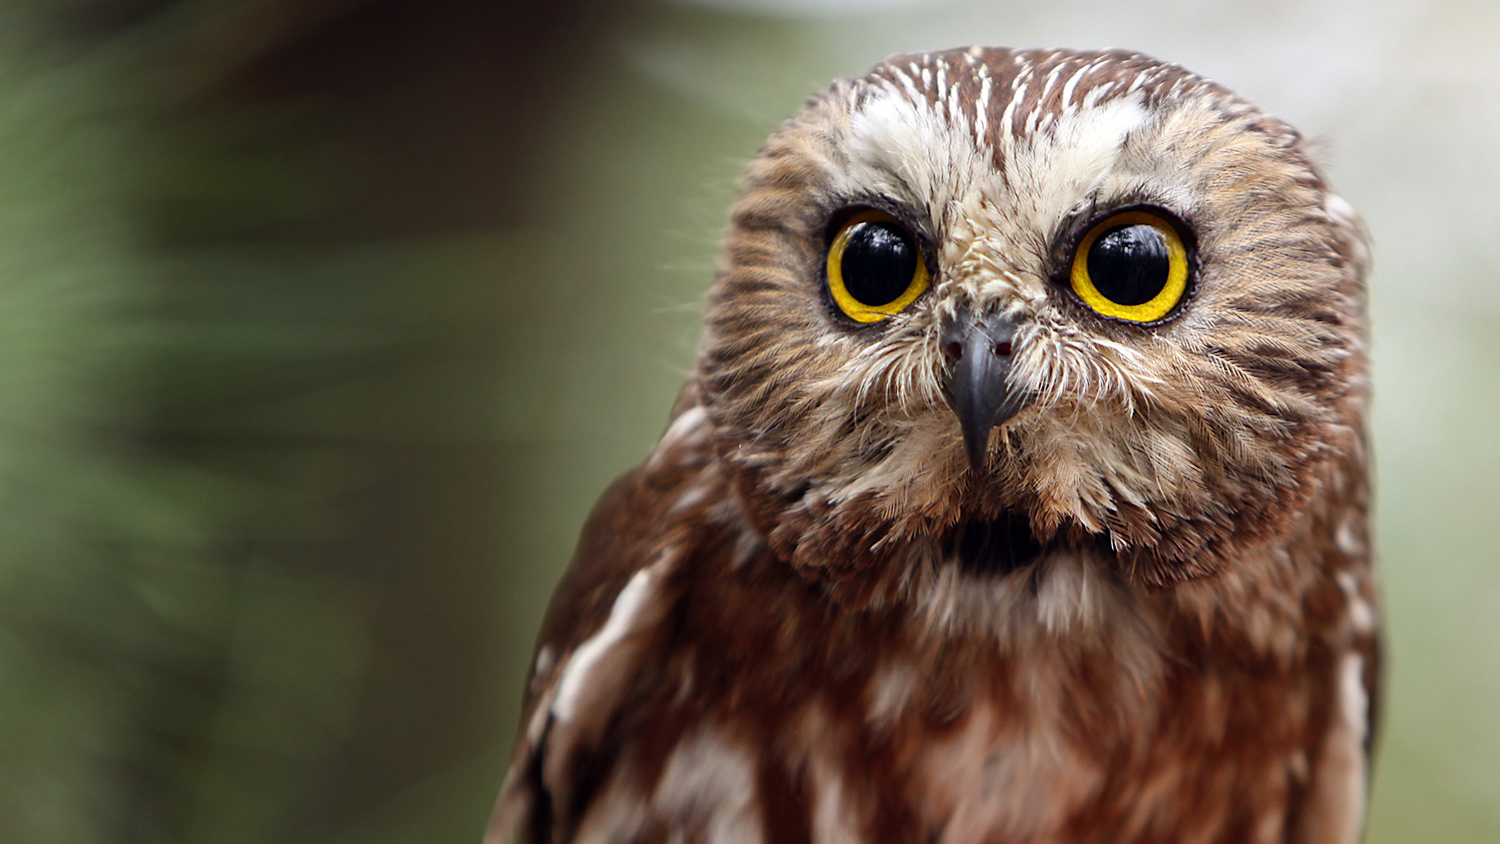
(878, 263)
(1129, 265)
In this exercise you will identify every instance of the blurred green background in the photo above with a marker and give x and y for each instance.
(323, 323)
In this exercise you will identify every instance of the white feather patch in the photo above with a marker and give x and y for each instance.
(621, 622)
(710, 785)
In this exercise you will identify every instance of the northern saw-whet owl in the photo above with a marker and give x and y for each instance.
(1019, 493)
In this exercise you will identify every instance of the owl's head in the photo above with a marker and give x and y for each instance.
(981, 301)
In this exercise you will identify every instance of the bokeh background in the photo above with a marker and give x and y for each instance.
(323, 322)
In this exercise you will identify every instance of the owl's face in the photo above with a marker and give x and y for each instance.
(1084, 293)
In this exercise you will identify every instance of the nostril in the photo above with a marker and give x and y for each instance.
(954, 350)
(1002, 349)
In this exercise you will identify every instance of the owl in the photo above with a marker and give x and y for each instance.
(1019, 493)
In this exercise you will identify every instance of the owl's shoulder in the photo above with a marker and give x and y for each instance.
(615, 598)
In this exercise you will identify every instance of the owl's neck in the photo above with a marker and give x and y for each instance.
(994, 547)
(994, 572)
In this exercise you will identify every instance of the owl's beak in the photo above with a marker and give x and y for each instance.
(978, 351)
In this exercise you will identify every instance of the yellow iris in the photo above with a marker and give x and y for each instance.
(1138, 273)
(875, 267)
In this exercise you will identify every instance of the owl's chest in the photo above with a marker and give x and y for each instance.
(777, 714)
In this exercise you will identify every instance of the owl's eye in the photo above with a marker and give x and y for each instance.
(875, 267)
(1131, 266)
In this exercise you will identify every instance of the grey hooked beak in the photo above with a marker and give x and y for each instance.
(979, 355)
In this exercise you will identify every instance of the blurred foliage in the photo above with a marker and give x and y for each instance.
(323, 322)
(247, 444)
